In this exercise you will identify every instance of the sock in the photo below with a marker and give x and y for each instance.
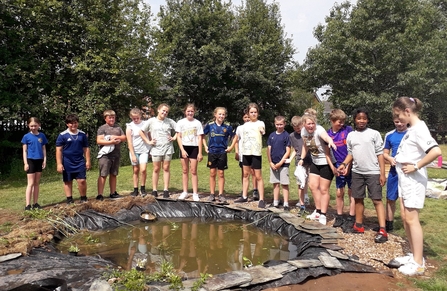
(286, 204)
(323, 213)
(275, 202)
(70, 198)
(359, 225)
(143, 188)
(135, 189)
(351, 217)
(319, 211)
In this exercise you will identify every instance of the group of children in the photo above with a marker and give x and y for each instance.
(355, 156)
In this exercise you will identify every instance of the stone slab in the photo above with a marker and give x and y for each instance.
(261, 274)
(275, 209)
(337, 254)
(283, 268)
(235, 206)
(252, 208)
(312, 225)
(329, 241)
(314, 231)
(305, 263)
(330, 262)
(10, 257)
(291, 219)
(227, 280)
(335, 235)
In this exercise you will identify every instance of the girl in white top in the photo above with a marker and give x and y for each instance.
(138, 150)
(416, 150)
(322, 169)
(189, 137)
(251, 150)
(161, 129)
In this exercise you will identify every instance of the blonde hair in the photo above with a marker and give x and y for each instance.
(163, 104)
(296, 121)
(337, 114)
(308, 116)
(279, 118)
(135, 111)
(310, 111)
(109, 112)
(217, 109)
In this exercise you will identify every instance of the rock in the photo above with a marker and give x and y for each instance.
(100, 285)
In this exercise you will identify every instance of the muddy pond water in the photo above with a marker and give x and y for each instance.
(192, 245)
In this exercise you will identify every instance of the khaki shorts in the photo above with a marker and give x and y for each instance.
(167, 158)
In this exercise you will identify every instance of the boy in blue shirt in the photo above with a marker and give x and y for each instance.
(278, 152)
(73, 158)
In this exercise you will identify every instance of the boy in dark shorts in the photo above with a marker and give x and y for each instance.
(73, 158)
(109, 138)
(365, 152)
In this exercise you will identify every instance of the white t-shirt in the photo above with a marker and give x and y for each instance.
(161, 130)
(190, 131)
(414, 145)
(316, 145)
(139, 146)
(252, 138)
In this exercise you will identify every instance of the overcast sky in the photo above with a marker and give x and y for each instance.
(298, 16)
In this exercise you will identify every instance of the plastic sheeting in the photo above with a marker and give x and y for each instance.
(80, 271)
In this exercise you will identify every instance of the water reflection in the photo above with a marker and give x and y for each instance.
(193, 246)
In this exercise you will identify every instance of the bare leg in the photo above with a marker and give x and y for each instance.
(324, 191)
(166, 174)
(82, 186)
(101, 183)
(68, 188)
(221, 181)
(340, 200)
(314, 185)
(213, 172)
(155, 175)
(185, 174)
(112, 183)
(194, 177)
(380, 210)
(260, 183)
(285, 193)
(359, 208)
(29, 187)
(135, 175)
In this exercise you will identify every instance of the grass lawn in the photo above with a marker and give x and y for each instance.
(433, 217)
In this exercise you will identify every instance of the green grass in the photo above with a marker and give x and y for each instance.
(433, 216)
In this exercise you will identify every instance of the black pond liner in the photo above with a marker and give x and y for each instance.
(82, 271)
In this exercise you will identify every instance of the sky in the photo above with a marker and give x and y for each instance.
(299, 18)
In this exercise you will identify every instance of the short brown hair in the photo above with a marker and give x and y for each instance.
(337, 114)
(296, 121)
(109, 112)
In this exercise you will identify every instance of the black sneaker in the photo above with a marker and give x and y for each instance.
(70, 200)
(83, 199)
(286, 208)
(155, 193)
(261, 204)
(255, 194)
(115, 195)
(143, 192)
(221, 198)
(134, 193)
(241, 200)
(27, 207)
(99, 197)
(381, 237)
(211, 198)
(165, 194)
(37, 206)
(339, 220)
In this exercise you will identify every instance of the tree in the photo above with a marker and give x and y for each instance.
(213, 56)
(376, 51)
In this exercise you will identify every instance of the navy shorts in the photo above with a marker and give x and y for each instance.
(392, 192)
(67, 177)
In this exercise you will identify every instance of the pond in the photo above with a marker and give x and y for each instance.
(192, 245)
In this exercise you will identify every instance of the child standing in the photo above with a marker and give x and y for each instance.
(392, 142)
(138, 151)
(109, 137)
(252, 153)
(365, 151)
(339, 133)
(417, 150)
(322, 169)
(189, 137)
(218, 134)
(161, 129)
(278, 152)
(34, 159)
(296, 141)
(73, 158)
(239, 157)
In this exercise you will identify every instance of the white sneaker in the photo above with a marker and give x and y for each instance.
(314, 216)
(404, 259)
(195, 197)
(183, 196)
(306, 199)
(322, 219)
(412, 268)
